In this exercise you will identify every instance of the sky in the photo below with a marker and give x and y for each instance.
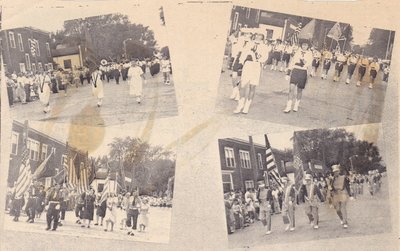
(162, 133)
(361, 34)
(282, 141)
(56, 12)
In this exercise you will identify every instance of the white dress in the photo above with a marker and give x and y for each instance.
(44, 89)
(98, 90)
(112, 209)
(135, 82)
(143, 218)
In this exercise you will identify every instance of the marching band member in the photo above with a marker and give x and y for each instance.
(97, 86)
(277, 54)
(352, 63)
(386, 71)
(44, 90)
(53, 201)
(111, 217)
(327, 63)
(300, 66)
(373, 71)
(309, 193)
(315, 63)
(340, 61)
(287, 53)
(136, 76)
(363, 62)
(265, 199)
(237, 64)
(340, 189)
(32, 203)
(288, 203)
(88, 208)
(166, 69)
(250, 76)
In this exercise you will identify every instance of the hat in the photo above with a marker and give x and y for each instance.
(261, 185)
(308, 177)
(336, 168)
(284, 178)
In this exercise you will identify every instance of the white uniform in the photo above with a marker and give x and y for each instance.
(251, 71)
(136, 82)
(44, 88)
(97, 85)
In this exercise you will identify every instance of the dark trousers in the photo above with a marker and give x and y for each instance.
(10, 94)
(63, 209)
(53, 215)
(131, 218)
(16, 207)
(31, 207)
(117, 79)
(79, 211)
(28, 92)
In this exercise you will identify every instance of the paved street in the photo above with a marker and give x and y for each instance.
(367, 215)
(158, 230)
(118, 107)
(324, 104)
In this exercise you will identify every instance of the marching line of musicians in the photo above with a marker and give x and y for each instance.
(335, 189)
(27, 87)
(251, 52)
(128, 210)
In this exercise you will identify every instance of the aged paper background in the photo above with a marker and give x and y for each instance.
(197, 33)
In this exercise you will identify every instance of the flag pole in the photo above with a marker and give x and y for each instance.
(266, 172)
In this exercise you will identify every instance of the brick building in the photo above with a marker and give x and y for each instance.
(40, 146)
(26, 49)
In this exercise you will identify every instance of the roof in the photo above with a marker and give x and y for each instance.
(32, 29)
(65, 51)
(243, 142)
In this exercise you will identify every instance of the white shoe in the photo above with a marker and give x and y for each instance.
(287, 228)
(345, 226)
(316, 227)
(358, 83)
(138, 100)
(237, 98)
(281, 69)
(311, 223)
(287, 77)
(235, 90)
(347, 81)
(247, 106)
(341, 222)
(291, 229)
(370, 86)
(240, 106)
(268, 232)
(296, 105)
(288, 106)
(272, 67)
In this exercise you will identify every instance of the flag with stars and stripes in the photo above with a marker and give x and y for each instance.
(106, 190)
(272, 168)
(25, 175)
(294, 37)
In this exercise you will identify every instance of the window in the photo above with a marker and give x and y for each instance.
(229, 157)
(249, 184)
(14, 143)
(34, 67)
(244, 159)
(64, 159)
(44, 152)
(37, 47)
(20, 44)
(33, 147)
(27, 61)
(258, 16)
(227, 182)
(260, 161)
(67, 64)
(247, 13)
(235, 21)
(48, 49)
(12, 39)
(22, 67)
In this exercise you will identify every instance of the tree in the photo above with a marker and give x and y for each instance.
(105, 35)
(379, 43)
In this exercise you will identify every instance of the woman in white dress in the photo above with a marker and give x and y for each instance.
(111, 216)
(143, 219)
(97, 86)
(136, 76)
(44, 82)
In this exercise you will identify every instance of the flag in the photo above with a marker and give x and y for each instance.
(72, 178)
(25, 175)
(294, 37)
(83, 178)
(43, 168)
(297, 161)
(335, 32)
(106, 190)
(307, 32)
(271, 164)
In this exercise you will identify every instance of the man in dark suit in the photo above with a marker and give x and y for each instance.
(53, 202)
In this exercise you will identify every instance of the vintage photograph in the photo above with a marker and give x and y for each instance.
(99, 70)
(117, 186)
(303, 71)
(304, 185)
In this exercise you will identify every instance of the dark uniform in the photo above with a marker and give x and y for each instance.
(32, 204)
(53, 200)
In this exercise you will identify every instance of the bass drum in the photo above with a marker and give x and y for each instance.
(154, 69)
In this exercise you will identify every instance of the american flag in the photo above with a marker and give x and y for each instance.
(294, 38)
(72, 178)
(106, 190)
(297, 161)
(83, 178)
(271, 164)
(25, 174)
